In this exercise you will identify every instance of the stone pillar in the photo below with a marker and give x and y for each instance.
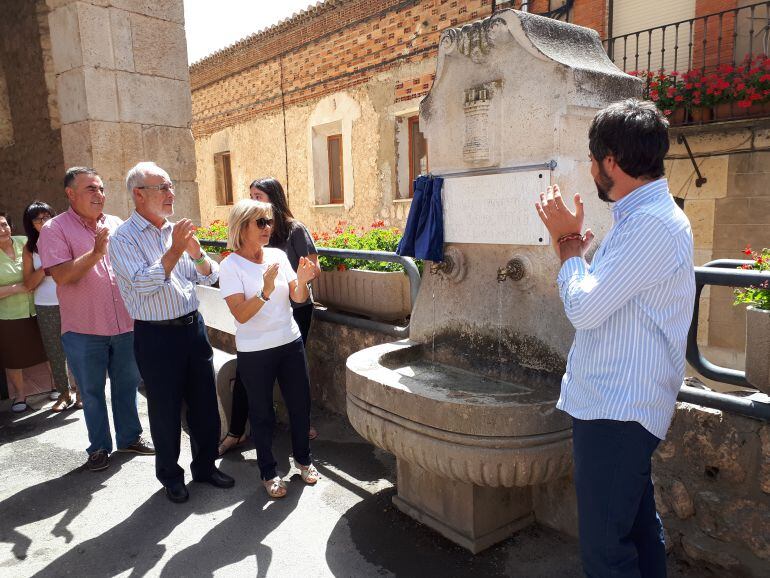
(124, 92)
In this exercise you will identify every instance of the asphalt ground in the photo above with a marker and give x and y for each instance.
(59, 519)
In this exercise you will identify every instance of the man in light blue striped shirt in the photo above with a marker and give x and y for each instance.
(158, 264)
(631, 309)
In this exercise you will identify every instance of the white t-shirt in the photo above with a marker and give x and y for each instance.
(274, 324)
(45, 293)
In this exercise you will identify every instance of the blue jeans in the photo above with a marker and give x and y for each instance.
(621, 534)
(91, 358)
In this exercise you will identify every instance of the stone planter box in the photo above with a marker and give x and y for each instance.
(758, 348)
(378, 294)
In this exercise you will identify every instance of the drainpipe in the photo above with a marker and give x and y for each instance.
(610, 17)
(285, 137)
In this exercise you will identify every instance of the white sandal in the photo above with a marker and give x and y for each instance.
(276, 488)
(309, 474)
(19, 406)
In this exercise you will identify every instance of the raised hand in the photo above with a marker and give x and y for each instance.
(306, 271)
(182, 233)
(557, 217)
(193, 245)
(268, 279)
(102, 241)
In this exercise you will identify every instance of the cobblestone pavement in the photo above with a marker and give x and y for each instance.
(57, 519)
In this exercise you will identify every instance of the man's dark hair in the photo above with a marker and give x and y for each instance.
(635, 133)
(69, 176)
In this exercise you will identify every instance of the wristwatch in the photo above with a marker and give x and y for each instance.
(263, 296)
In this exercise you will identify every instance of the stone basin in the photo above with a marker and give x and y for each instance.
(469, 446)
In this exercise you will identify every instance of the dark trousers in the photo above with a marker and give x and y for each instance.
(621, 534)
(240, 409)
(175, 363)
(259, 370)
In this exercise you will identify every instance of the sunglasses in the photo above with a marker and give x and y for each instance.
(262, 223)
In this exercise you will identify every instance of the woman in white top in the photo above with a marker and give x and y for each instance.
(47, 306)
(258, 283)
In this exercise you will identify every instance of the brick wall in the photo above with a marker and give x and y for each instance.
(591, 14)
(335, 47)
(714, 51)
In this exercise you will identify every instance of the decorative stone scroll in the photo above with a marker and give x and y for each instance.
(472, 40)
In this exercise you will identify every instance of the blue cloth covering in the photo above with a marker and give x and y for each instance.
(424, 233)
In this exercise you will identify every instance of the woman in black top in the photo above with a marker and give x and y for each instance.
(293, 238)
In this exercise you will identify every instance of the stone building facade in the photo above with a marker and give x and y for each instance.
(353, 68)
(101, 83)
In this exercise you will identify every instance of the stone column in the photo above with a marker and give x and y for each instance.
(124, 92)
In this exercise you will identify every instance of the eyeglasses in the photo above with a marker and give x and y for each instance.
(165, 187)
(41, 219)
(262, 223)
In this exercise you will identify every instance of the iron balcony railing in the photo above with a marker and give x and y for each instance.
(716, 44)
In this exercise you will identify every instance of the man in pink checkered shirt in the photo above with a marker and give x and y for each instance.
(97, 331)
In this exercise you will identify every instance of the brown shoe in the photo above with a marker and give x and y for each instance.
(64, 402)
(140, 446)
(99, 460)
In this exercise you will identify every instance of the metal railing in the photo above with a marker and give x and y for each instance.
(400, 331)
(724, 273)
(704, 44)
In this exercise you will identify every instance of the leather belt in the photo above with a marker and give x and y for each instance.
(182, 321)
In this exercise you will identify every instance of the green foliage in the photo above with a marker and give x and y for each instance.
(377, 238)
(216, 231)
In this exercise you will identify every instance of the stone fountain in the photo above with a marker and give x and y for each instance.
(467, 403)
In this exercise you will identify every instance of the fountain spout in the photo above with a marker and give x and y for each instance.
(446, 266)
(515, 269)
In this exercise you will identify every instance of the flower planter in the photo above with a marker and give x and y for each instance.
(377, 294)
(758, 348)
(677, 117)
(702, 114)
(728, 110)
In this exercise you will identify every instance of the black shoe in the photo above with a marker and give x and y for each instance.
(218, 479)
(177, 492)
(99, 460)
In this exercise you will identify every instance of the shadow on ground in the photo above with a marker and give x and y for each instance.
(391, 540)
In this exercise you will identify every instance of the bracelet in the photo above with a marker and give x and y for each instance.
(201, 260)
(570, 237)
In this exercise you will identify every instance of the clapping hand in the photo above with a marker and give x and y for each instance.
(182, 235)
(102, 241)
(306, 271)
(268, 279)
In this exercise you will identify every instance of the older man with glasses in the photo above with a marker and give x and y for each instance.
(158, 264)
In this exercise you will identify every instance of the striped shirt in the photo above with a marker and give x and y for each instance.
(631, 309)
(136, 250)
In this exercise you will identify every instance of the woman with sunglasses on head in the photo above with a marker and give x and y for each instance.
(20, 344)
(66, 396)
(293, 238)
(258, 283)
